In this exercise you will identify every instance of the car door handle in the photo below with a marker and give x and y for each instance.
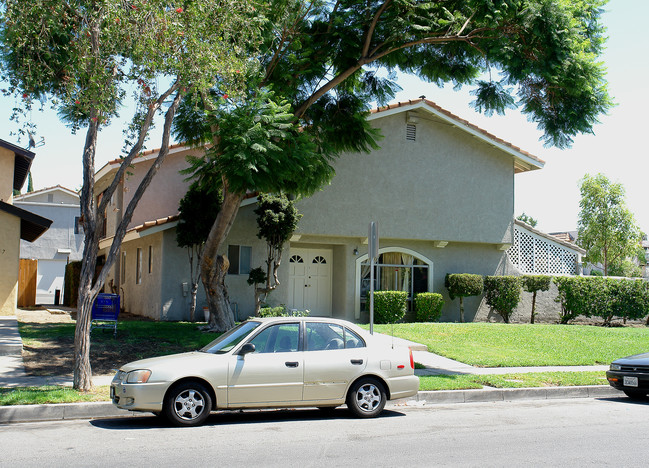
(292, 363)
(357, 362)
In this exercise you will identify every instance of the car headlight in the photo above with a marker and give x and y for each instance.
(616, 367)
(138, 376)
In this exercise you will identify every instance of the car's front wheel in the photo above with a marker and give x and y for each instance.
(187, 404)
(366, 398)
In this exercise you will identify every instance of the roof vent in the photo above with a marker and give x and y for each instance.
(411, 132)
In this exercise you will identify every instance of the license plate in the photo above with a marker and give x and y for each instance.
(630, 381)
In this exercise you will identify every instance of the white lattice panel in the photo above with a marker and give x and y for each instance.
(533, 254)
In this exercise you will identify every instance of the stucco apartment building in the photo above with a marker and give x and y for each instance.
(15, 223)
(440, 189)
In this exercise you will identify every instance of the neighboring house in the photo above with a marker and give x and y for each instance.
(15, 222)
(61, 244)
(440, 189)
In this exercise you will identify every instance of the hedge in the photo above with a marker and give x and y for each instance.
(428, 306)
(602, 297)
(389, 306)
(503, 294)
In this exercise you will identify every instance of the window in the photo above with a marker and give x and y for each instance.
(123, 267)
(396, 271)
(323, 336)
(138, 267)
(240, 257)
(150, 259)
(280, 338)
(78, 228)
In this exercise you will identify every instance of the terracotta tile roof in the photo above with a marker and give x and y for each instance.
(458, 119)
(146, 153)
(157, 222)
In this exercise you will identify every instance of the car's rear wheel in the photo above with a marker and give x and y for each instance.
(187, 404)
(635, 394)
(366, 398)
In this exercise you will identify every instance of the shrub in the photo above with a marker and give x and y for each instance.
(281, 311)
(463, 285)
(428, 306)
(389, 306)
(534, 284)
(503, 294)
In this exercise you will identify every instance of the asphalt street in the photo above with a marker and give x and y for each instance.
(567, 432)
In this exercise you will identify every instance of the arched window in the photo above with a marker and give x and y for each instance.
(395, 271)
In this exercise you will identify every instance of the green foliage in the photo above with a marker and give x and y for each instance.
(260, 148)
(606, 298)
(389, 306)
(256, 276)
(534, 283)
(197, 211)
(527, 219)
(606, 227)
(463, 285)
(503, 294)
(428, 306)
(281, 311)
(277, 219)
(625, 268)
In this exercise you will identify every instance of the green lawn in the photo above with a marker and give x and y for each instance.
(50, 394)
(509, 345)
(535, 379)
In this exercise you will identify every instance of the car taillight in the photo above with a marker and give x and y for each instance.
(412, 359)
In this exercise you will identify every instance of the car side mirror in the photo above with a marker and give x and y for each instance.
(247, 349)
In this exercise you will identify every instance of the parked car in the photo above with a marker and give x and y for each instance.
(631, 375)
(270, 363)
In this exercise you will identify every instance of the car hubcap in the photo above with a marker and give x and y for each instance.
(368, 397)
(189, 404)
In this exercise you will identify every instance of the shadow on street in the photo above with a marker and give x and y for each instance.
(225, 418)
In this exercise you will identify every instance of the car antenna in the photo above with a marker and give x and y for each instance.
(392, 332)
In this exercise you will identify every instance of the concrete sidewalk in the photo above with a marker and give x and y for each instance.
(12, 374)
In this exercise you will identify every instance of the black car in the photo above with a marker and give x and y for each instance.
(631, 375)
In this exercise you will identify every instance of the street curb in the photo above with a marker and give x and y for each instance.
(105, 409)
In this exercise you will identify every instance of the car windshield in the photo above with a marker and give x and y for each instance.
(230, 339)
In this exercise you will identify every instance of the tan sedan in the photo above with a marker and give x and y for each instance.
(271, 363)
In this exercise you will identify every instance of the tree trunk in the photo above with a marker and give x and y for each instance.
(89, 286)
(214, 267)
(461, 309)
(533, 307)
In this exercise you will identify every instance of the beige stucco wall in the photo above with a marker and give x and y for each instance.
(144, 298)
(7, 159)
(165, 191)
(9, 254)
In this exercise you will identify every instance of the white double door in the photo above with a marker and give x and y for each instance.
(310, 281)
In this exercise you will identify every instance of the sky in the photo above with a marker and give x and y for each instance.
(617, 148)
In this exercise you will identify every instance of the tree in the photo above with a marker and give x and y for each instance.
(534, 284)
(277, 219)
(606, 228)
(197, 209)
(83, 54)
(323, 59)
(527, 219)
(463, 285)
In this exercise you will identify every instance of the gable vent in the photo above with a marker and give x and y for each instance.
(411, 132)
